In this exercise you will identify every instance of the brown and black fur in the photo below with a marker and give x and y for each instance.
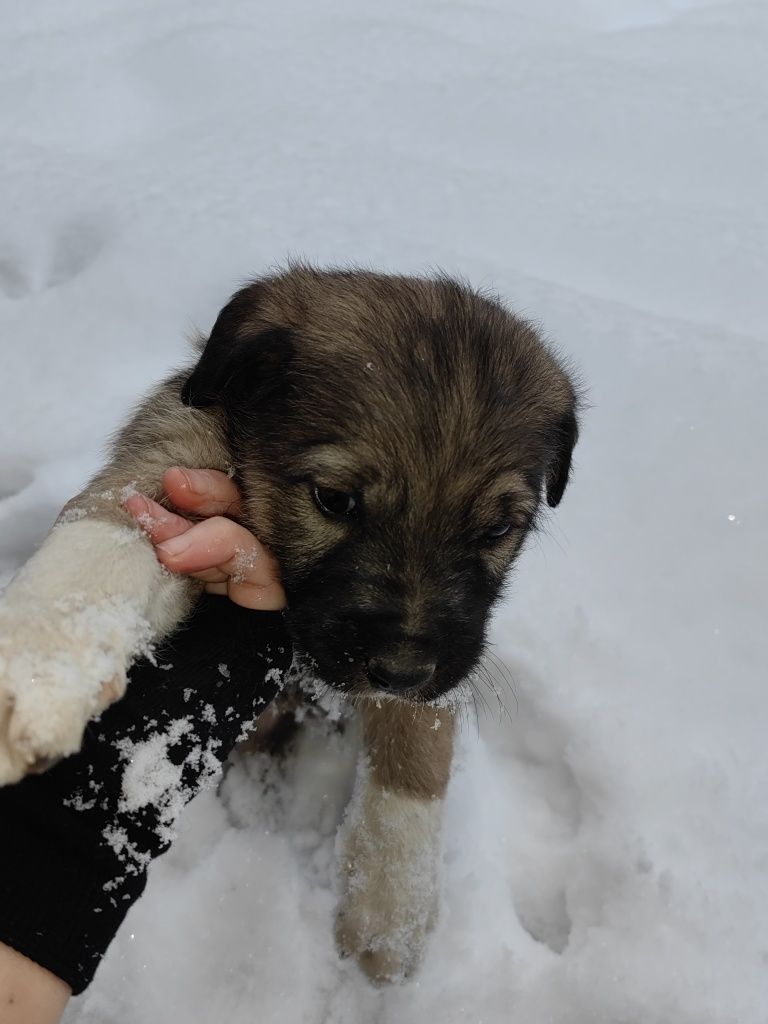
(447, 420)
(442, 413)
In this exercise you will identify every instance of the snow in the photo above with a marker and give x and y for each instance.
(603, 166)
(151, 777)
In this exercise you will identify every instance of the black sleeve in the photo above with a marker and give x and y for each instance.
(77, 840)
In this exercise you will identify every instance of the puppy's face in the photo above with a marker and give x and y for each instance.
(393, 438)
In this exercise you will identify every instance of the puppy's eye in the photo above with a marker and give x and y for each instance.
(498, 531)
(335, 503)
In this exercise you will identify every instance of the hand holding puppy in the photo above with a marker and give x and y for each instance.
(218, 550)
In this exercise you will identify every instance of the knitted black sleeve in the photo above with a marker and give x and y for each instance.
(77, 840)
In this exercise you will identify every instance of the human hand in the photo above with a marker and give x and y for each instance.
(218, 550)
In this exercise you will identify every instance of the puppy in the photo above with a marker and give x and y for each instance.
(393, 439)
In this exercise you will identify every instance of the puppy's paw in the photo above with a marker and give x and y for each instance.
(42, 722)
(386, 935)
(54, 677)
(31, 741)
(389, 901)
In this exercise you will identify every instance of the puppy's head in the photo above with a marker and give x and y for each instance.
(393, 438)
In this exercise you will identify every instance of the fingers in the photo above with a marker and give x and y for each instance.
(207, 492)
(160, 525)
(219, 550)
(157, 522)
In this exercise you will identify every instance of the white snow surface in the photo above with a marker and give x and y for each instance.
(602, 165)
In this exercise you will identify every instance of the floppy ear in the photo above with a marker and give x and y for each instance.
(238, 360)
(559, 468)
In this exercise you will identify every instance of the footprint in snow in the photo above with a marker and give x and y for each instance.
(535, 743)
(74, 248)
(13, 480)
(14, 283)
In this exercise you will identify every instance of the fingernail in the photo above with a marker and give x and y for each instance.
(137, 505)
(175, 546)
(196, 482)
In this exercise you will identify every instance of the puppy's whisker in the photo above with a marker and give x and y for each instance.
(477, 713)
(503, 674)
(489, 681)
(485, 678)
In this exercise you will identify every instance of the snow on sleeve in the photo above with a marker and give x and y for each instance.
(153, 779)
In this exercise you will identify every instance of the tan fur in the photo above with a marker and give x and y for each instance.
(409, 746)
(161, 433)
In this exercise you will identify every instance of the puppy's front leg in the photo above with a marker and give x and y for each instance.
(94, 596)
(87, 602)
(390, 843)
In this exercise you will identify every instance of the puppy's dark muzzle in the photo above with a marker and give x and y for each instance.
(399, 675)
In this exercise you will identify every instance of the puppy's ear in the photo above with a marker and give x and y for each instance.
(558, 472)
(239, 360)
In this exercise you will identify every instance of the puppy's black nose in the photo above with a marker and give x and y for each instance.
(397, 675)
